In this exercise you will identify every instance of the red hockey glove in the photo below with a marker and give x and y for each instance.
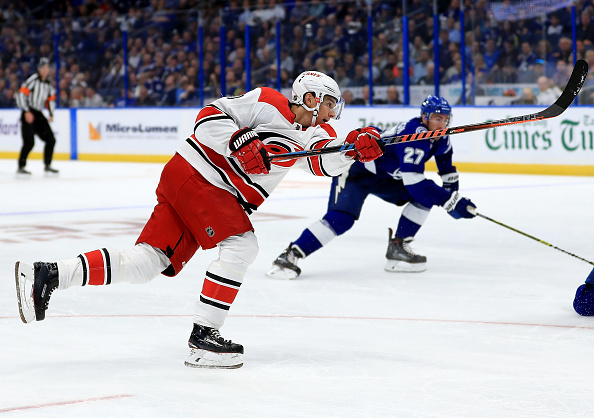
(368, 145)
(247, 147)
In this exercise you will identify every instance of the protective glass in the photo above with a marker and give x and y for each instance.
(338, 108)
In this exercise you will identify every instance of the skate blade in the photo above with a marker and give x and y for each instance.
(277, 272)
(395, 266)
(24, 278)
(209, 360)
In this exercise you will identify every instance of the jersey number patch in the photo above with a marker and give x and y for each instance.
(409, 155)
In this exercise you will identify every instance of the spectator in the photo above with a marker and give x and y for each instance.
(509, 52)
(544, 52)
(564, 50)
(562, 74)
(287, 62)
(170, 93)
(134, 58)
(554, 29)
(491, 54)
(548, 92)
(359, 80)
(341, 78)
(185, 93)
(528, 97)
(316, 11)
(454, 73)
(503, 73)
(538, 70)
(77, 97)
(144, 99)
(387, 77)
(453, 30)
(585, 28)
(421, 67)
(92, 98)
(364, 98)
(347, 96)
(526, 58)
(272, 12)
(7, 99)
(429, 77)
(393, 96)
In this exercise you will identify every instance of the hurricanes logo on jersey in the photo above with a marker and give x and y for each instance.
(209, 231)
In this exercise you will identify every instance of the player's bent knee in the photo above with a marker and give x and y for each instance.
(239, 250)
(340, 222)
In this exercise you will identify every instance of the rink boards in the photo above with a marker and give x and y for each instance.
(562, 145)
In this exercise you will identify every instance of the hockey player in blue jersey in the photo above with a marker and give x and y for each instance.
(398, 178)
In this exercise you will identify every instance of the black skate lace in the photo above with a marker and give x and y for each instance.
(217, 336)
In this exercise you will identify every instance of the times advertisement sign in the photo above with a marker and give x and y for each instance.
(567, 139)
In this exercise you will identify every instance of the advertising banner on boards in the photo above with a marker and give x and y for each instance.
(10, 133)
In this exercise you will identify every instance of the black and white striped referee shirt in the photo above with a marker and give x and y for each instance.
(36, 94)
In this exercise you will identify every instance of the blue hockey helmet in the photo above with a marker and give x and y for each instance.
(435, 104)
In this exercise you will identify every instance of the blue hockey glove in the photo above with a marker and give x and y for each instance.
(450, 181)
(458, 206)
(584, 300)
(584, 297)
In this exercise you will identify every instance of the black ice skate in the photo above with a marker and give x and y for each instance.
(401, 258)
(21, 172)
(210, 350)
(35, 284)
(285, 265)
(50, 171)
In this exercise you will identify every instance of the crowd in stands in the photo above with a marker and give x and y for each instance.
(330, 36)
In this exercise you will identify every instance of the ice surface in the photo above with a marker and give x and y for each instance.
(488, 330)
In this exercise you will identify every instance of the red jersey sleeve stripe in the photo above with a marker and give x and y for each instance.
(208, 111)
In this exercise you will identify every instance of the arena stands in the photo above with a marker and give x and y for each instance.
(160, 64)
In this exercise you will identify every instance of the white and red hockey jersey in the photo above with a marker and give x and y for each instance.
(267, 112)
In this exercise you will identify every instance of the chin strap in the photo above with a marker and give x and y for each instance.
(315, 111)
(314, 117)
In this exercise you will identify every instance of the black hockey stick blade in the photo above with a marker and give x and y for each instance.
(573, 87)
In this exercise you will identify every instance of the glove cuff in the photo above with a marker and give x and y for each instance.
(450, 177)
(241, 138)
(451, 203)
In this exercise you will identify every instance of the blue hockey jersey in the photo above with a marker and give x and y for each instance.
(406, 162)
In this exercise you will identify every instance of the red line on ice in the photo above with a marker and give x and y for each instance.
(105, 398)
(365, 318)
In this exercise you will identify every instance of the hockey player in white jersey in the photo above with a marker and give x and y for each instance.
(219, 175)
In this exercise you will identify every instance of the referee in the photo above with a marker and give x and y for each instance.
(36, 94)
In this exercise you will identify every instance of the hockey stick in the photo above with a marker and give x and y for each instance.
(573, 87)
(474, 212)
